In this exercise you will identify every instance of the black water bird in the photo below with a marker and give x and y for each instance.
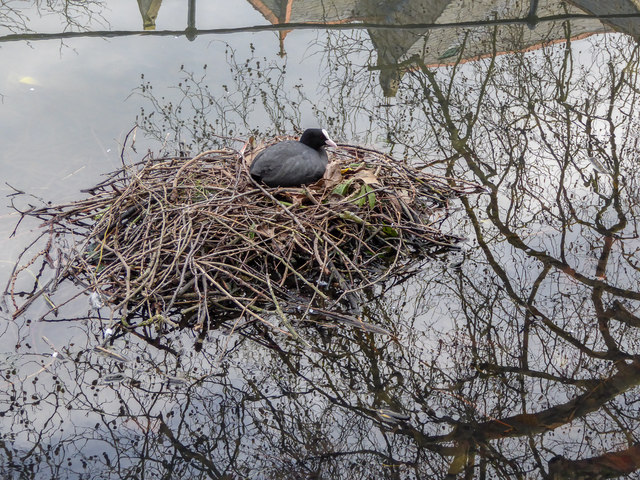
(291, 163)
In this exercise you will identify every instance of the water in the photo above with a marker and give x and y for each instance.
(514, 357)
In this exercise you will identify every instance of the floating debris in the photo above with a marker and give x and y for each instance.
(112, 378)
(96, 302)
(177, 380)
(111, 354)
(455, 263)
(597, 165)
(391, 416)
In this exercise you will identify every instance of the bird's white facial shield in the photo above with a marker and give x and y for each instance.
(329, 142)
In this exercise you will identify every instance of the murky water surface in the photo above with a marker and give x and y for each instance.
(516, 356)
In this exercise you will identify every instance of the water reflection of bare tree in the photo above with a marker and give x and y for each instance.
(550, 313)
(16, 16)
(539, 371)
(206, 110)
(520, 362)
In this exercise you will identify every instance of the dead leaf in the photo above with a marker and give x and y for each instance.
(252, 153)
(295, 196)
(404, 196)
(332, 175)
(368, 176)
(266, 232)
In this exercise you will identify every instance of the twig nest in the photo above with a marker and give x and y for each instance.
(200, 238)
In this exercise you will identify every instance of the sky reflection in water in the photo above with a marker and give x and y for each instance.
(521, 361)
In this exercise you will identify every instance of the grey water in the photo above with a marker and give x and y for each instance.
(516, 356)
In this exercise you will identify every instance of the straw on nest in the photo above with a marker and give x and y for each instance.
(199, 237)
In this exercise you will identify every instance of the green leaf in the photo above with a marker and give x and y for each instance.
(343, 188)
(366, 195)
(390, 231)
(371, 196)
(450, 52)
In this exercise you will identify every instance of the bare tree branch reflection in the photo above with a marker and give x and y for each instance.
(556, 228)
(515, 358)
(76, 15)
(202, 115)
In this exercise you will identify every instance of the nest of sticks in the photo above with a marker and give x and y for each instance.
(193, 241)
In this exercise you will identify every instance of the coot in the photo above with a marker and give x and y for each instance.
(291, 163)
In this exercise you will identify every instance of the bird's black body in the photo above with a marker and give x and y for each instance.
(291, 163)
